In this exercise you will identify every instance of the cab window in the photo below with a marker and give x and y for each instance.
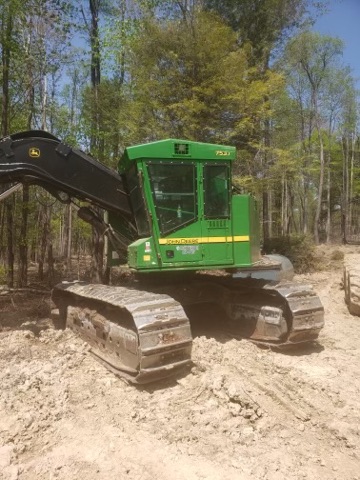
(216, 191)
(173, 187)
(137, 202)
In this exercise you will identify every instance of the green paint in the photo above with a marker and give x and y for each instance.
(174, 149)
(195, 221)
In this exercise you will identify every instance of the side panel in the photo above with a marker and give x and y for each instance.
(183, 246)
(245, 230)
(217, 241)
(190, 248)
(255, 235)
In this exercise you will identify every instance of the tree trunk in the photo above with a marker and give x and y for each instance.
(7, 25)
(67, 237)
(44, 102)
(266, 209)
(351, 178)
(10, 241)
(97, 264)
(6, 57)
(44, 241)
(320, 190)
(345, 192)
(95, 70)
(23, 240)
(50, 269)
(322, 165)
(267, 194)
(328, 203)
(2, 231)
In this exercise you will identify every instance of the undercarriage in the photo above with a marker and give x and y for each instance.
(143, 334)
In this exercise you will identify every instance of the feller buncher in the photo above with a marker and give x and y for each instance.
(192, 242)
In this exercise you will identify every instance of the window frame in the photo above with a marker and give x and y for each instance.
(194, 193)
(137, 200)
(226, 166)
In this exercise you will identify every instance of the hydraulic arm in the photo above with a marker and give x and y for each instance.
(39, 158)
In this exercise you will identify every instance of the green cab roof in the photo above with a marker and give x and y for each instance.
(174, 149)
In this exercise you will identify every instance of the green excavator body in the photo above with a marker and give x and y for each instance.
(184, 209)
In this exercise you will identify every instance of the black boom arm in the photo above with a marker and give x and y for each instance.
(37, 157)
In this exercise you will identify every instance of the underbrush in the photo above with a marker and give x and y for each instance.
(299, 249)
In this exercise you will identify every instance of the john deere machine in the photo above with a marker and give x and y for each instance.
(175, 222)
(351, 276)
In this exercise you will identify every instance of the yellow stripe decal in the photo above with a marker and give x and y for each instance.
(199, 240)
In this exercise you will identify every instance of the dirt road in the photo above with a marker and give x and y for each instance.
(242, 413)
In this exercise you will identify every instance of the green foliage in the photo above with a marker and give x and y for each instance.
(2, 275)
(180, 72)
(311, 62)
(182, 79)
(265, 25)
(114, 120)
(191, 80)
(300, 249)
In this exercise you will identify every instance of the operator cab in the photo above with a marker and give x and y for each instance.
(180, 194)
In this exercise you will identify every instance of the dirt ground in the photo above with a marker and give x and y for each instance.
(242, 412)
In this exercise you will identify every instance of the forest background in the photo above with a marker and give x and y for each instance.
(106, 74)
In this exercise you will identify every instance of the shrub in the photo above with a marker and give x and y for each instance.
(337, 255)
(299, 249)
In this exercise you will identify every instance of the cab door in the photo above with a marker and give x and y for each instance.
(216, 224)
(174, 191)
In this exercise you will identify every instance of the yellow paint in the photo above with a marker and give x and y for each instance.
(146, 258)
(242, 238)
(34, 152)
(199, 240)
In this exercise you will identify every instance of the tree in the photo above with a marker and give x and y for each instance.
(8, 11)
(96, 139)
(33, 40)
(264, 26)
(348, 129)
(191, 80)
(310, 57)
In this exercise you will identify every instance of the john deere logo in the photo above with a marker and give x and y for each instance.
(34, 152)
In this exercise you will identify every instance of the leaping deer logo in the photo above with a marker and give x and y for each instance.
(34, 152)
